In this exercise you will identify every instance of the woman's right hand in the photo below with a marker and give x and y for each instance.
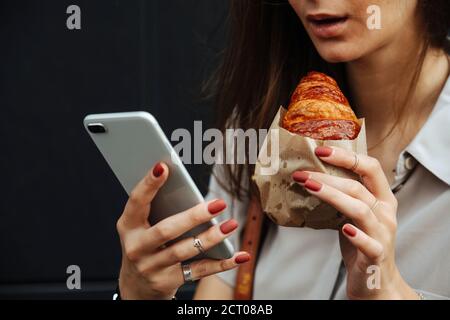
(150, 270)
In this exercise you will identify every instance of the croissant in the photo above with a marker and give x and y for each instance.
(319, 110)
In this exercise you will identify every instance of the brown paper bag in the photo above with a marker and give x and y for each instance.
(283, 200)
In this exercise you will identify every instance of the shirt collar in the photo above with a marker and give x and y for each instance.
(431, 146)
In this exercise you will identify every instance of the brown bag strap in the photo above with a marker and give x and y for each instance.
(250, 243)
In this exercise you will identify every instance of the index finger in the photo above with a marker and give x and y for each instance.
(137, 208)
(176, 225)
(367, 167)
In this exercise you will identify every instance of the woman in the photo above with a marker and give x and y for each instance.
(396, 76)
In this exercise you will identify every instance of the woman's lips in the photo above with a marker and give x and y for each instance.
(327, 26)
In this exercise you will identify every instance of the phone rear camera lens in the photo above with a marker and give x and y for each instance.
(96, 128)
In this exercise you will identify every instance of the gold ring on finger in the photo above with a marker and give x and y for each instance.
(375, 205)
(356, 164)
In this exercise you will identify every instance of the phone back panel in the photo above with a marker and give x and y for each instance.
(132, 144)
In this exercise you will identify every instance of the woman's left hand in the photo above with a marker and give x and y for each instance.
(368, 244)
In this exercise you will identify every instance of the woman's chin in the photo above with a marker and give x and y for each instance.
(338, 53)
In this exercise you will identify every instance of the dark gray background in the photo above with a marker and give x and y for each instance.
(59, 200)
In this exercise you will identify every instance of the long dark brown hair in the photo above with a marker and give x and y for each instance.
(267, 53)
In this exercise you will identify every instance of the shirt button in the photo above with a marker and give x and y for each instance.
(410, 163)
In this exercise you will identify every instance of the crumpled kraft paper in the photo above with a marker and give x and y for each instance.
(283, 200)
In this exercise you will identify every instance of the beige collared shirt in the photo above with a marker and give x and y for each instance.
(306, 264)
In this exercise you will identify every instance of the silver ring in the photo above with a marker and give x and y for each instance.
(198, 244)
(187, 272)
(375, 204)
(355, 166)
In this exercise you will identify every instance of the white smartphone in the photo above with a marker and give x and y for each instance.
(131, 144)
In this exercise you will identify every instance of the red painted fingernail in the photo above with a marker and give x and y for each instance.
(300, 176)
(313, 185)
(216, 206)
(158, 170)
(323, 152)
(349, 230)
(228, 226)
(242, 258)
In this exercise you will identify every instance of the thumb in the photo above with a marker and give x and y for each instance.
(138, 206)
